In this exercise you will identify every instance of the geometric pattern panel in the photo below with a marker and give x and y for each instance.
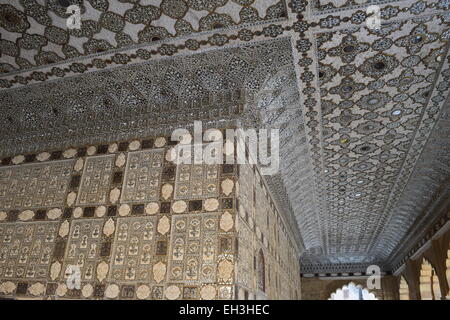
(34, 185)
(369, 100)
(38, 35)
(83, 247)
(96, 180)
(133, 249)
(26, 249)
(197, 181)
(374, 88)
(193, 248)
(143, 176)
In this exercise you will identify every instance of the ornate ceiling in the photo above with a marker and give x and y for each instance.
(363, 113)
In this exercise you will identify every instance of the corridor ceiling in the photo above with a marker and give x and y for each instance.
(363, 113)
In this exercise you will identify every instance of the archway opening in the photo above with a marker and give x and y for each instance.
(404, 289)
(352, 291)
(429, 282)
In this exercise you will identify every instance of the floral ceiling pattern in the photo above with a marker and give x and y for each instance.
(360, 111)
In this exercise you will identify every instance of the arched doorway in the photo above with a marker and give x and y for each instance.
(352, 291)
(404, 289)
(429, 282)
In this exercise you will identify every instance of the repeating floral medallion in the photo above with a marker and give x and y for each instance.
(360, 113)
(372, 106)
(136, 247)
(127, 23)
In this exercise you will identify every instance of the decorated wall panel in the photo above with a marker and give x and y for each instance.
(110, 226)
(267, 258)
(122, 221)
(126, 222)
(34, 185)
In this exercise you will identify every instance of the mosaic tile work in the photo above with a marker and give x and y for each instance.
(34, 185)
(26, 249)
(96, 180)
(83, 248)
(193, 250)
(197, 181)
(128, 22)
(133, 249)
(125, 246)
(143, 176)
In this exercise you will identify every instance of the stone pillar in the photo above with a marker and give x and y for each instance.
(412, 273)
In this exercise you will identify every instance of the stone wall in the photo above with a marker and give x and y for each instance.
(130, 224)
(263, 239)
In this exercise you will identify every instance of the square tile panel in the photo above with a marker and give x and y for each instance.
(96, 180)
(34, 185)
(193, 248)
(195, 181)
(143, 176)
(26, 249)
(83, 247)
(133, 249)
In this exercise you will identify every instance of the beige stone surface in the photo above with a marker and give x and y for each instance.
(114, 195)
(134, 145)
(152, 208)
(54, 213)
(112, 291)
(7, 287)
(26, 215)
(159, 271)
(109, 227)
(143, 292)
(227, 186)
(91, 150)
(102, 271)
(160, 142)
(71, 197)
(171, 155)
(69, 153)
(18, 159)
(78, 165)
(61, 290)
(124, 210)
(64, 229)
(208, 292)
(121, 160)
(77, 212)
(211, 204)
(163, 225)
(166, 191)
(100, 211)
(36, 289)
(87, 290)
(112, 148)
(226, 221)
(173, 292)
(225, 270)
(179, 206)
(55, 269)
(43, 156)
